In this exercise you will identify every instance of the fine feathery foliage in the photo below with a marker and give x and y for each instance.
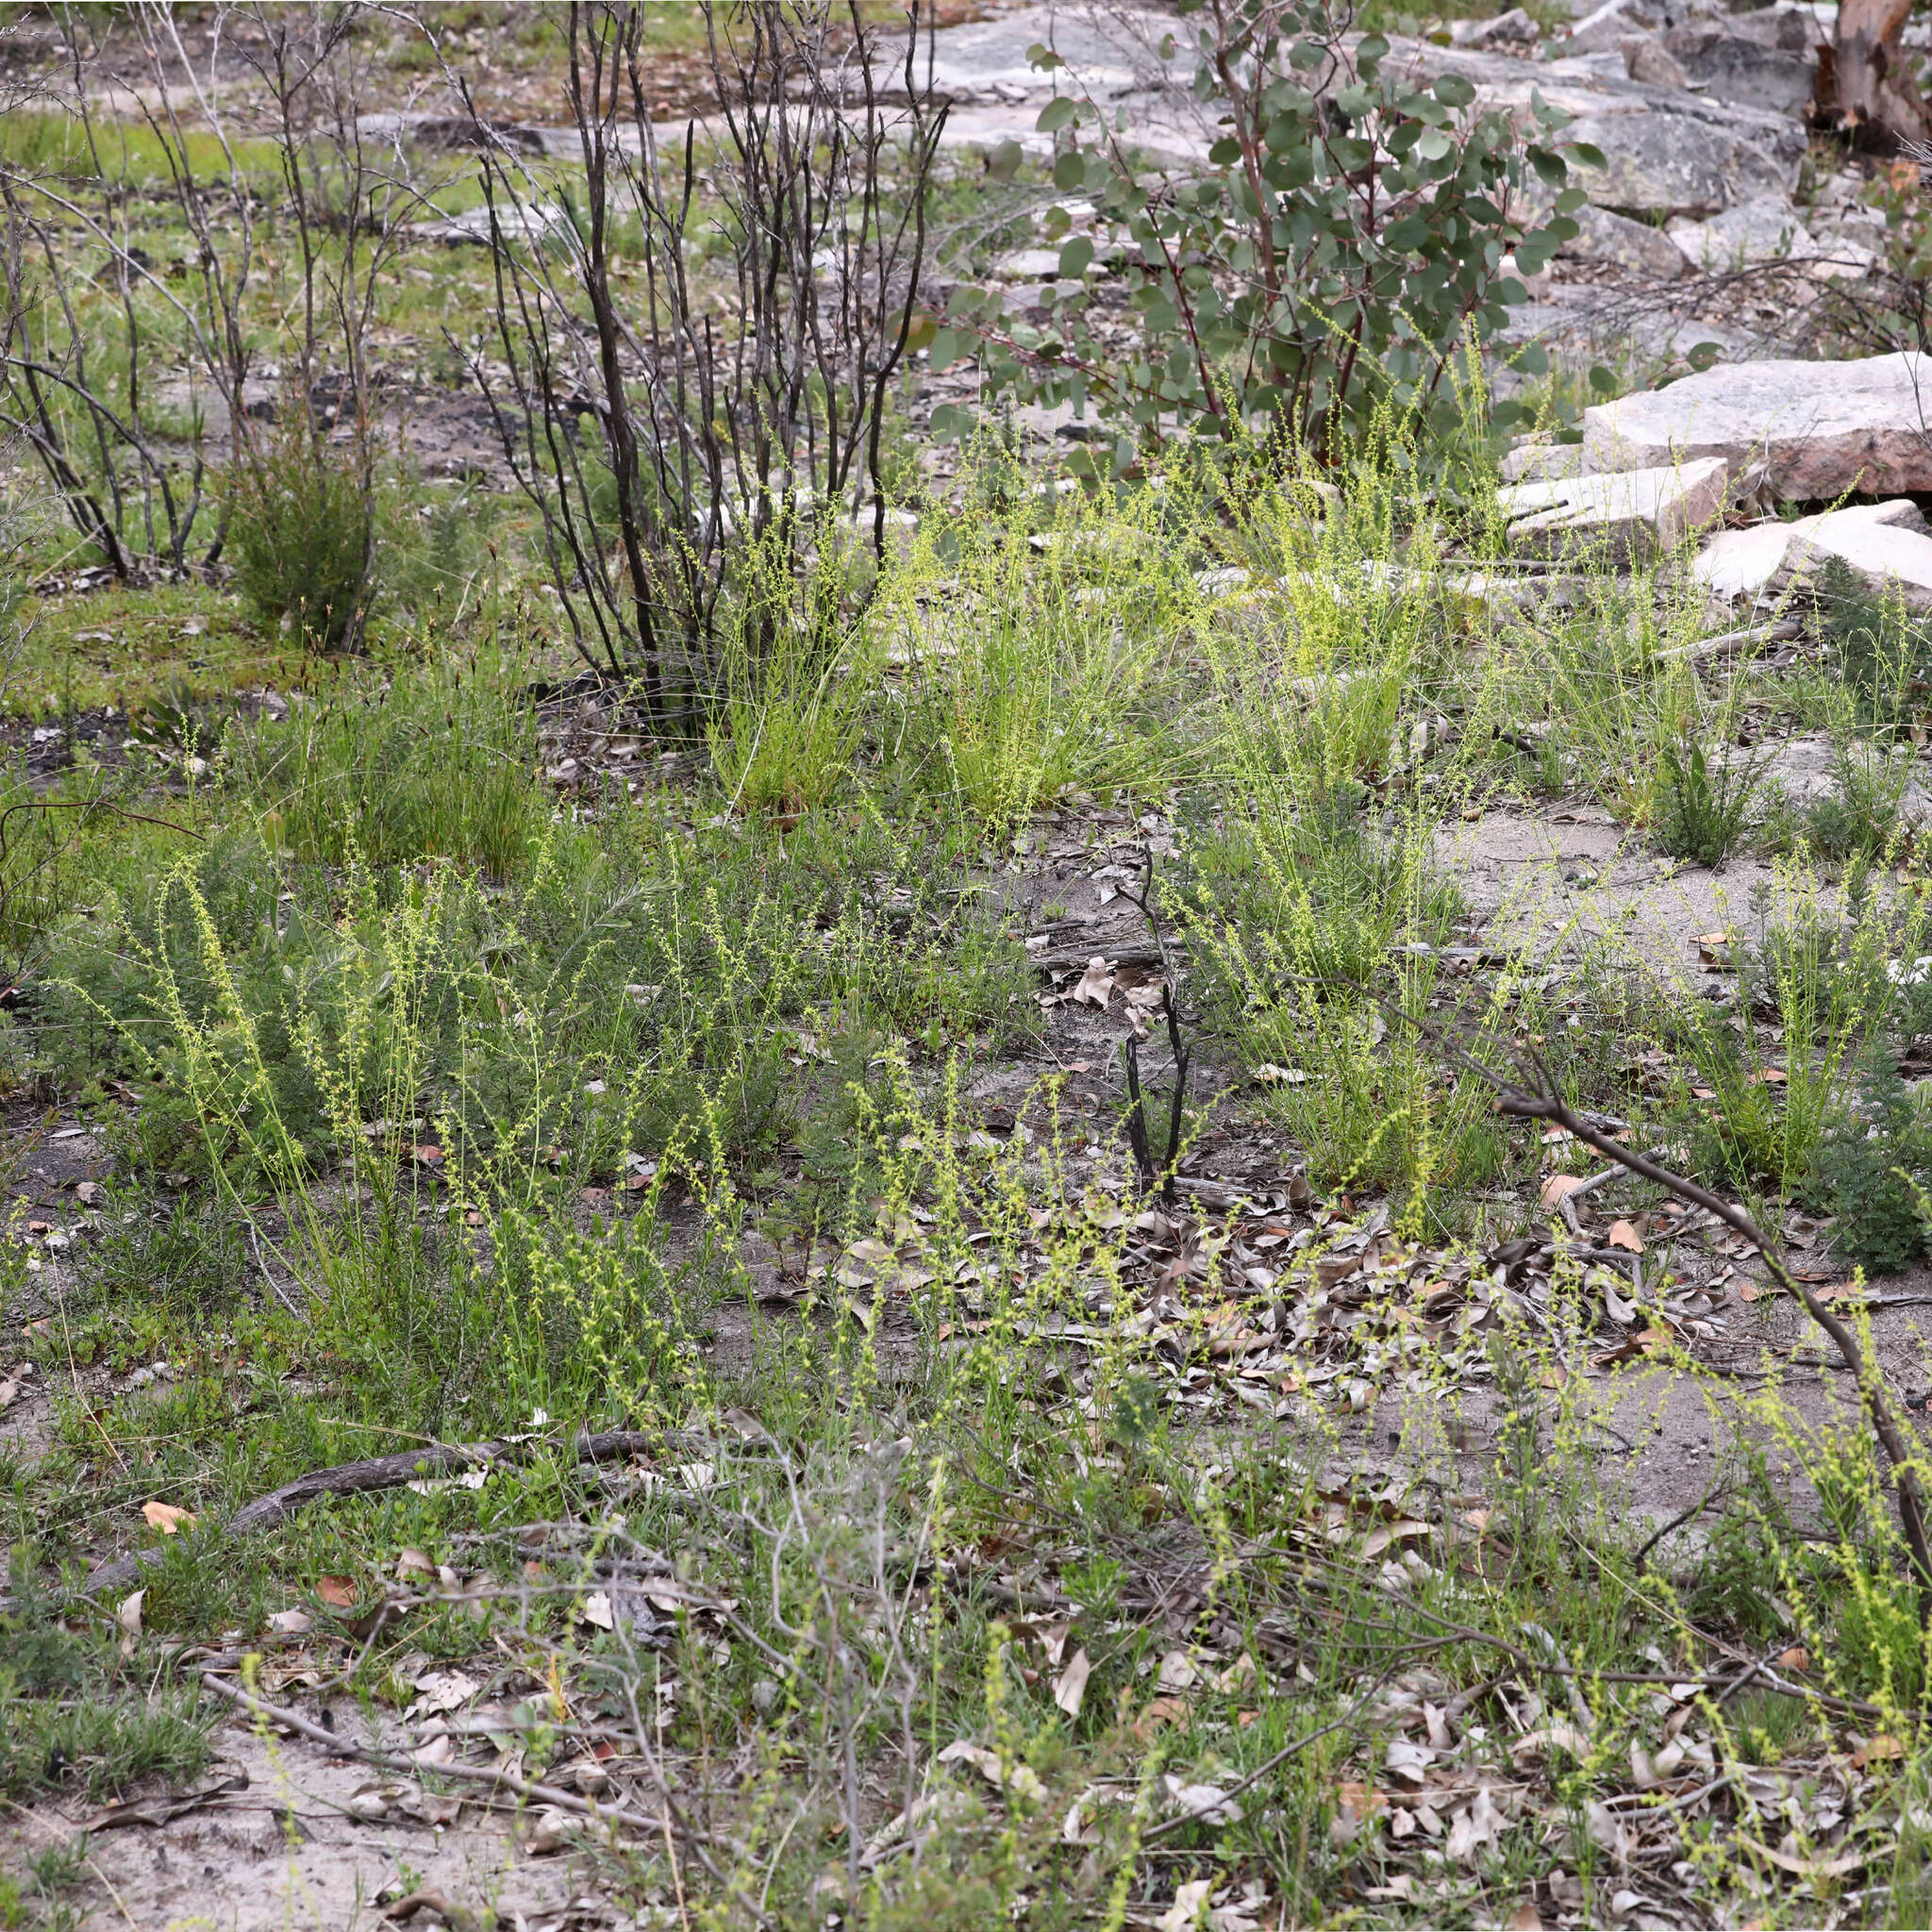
(302, 531)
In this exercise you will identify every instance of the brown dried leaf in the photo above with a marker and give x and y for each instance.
(1401, 1530)
(1622, 1235)
(163, 1809)
(1162, 1711)
(166, 1518)
(339, 1592)
(1806, 1868)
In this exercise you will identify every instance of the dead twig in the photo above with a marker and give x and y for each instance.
(377, 1473)
(1547, 1105)
(1149, 1172)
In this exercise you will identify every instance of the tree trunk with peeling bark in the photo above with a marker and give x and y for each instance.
(1870, 79)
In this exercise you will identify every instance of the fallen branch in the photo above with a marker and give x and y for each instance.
(1781, 632)
(338, 1746)
(1071, 958)
(524, 1789)
(362, 1479)
(1549, 1106)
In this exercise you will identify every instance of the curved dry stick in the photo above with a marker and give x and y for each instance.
(361, 1478)
(1911, 1509)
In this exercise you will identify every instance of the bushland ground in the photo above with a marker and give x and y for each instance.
(851, 1461)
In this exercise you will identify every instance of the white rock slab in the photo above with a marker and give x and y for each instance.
(1626, 516)
(1821, 429)
(1891, 563)
(1741, 565)
(1738, 565)
(1741, 237)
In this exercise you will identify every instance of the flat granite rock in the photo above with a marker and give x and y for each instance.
(1626, 516)
(1819, 429)
(1742, 71)
(1635, 248)
(1892, 563)
(1741, 565)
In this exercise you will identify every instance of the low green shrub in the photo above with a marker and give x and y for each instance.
(1883, 655)
(302, 534)
(1873, 1166)
(1704, 805)
(73, 1717)
(439, 765)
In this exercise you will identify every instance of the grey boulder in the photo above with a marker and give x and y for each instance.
(1607, 26)
(1647, 60)
(1672, 161)
(1789, 28)
(1742, 71)
(1819, 429)
(1635, 248)
(1514, 28)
